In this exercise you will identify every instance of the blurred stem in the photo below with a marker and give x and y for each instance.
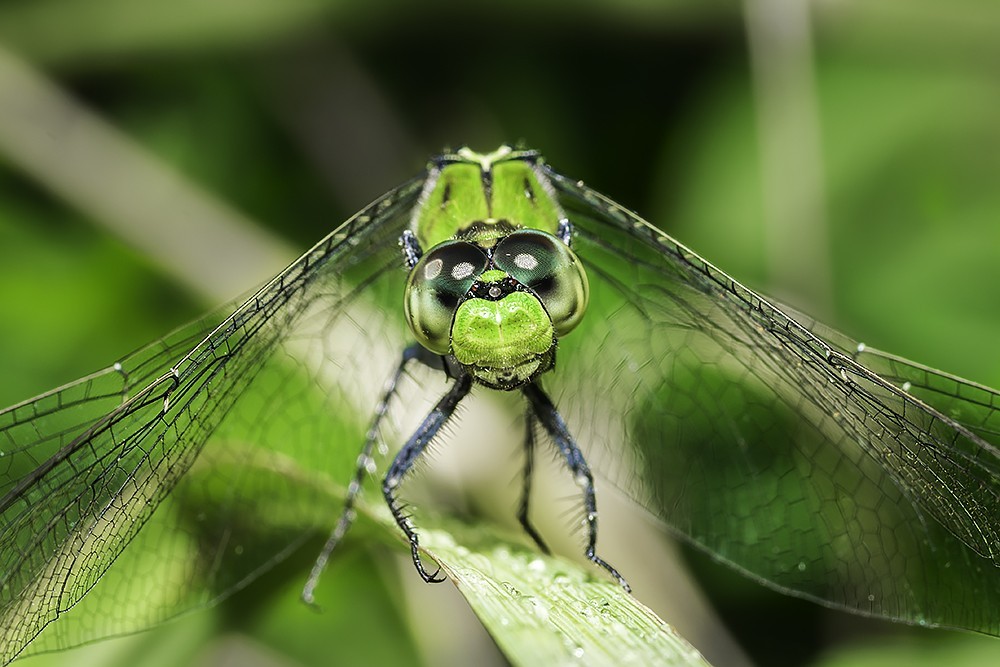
(797, 245)
(203, 242)
(341, 121)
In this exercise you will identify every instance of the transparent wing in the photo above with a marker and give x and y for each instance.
(218, 442)
(840, 474)
(850, 477)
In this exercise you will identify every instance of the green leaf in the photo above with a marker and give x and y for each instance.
(544, 610)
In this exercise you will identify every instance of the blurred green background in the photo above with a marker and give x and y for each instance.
(842, 156)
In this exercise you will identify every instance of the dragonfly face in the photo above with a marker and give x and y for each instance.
(498, 293)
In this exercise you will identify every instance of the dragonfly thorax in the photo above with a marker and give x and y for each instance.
(497, 287)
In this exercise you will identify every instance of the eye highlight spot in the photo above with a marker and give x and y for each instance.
(525, 261)
(462, 270)
(433, 269)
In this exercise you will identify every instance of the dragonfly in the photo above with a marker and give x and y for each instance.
(806, 460)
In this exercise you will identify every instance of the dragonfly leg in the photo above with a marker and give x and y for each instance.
(565, 231)
(363, 466)
(529, 463)
(409, 455)
(554, 425)
(411, 248)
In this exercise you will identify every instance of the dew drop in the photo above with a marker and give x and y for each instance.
(473, 579)
(537, 608)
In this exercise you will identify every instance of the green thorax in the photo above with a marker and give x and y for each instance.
(481, 197)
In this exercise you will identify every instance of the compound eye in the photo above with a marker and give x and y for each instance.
(548, 267)
(436, 286)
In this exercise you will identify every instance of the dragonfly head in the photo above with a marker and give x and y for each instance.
(498, 310)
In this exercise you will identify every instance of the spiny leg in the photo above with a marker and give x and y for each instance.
(409, 454)
(347, 515)
(529, 463)
(554, 425)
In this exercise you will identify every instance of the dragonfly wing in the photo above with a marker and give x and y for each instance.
(780, 450)
(179, 474)
(974, 406)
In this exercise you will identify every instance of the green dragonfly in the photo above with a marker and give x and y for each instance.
(802, 458)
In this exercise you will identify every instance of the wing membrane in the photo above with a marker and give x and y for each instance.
(831, 471)
(196, 462)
